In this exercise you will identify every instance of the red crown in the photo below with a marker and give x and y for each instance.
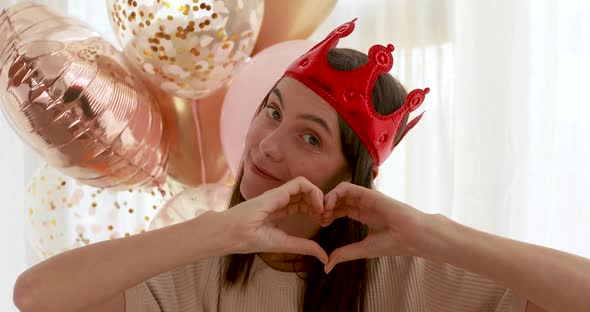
(350, 92)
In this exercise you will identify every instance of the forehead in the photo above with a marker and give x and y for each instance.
(297, 97)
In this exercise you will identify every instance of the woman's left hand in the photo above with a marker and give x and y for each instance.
(395, 228)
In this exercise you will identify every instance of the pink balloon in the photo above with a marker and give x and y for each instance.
(248, 89)
(191, 203)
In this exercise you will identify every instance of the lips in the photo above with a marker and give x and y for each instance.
(262, 172)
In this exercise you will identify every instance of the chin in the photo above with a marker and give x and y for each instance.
(249, 189)
(246, 192)
(253, 185)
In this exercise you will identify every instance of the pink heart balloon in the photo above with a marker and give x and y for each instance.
(248, 89)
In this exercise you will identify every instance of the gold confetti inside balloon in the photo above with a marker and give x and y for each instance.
(191, 203)
(63, 214)
(188, 48)
(77, 100)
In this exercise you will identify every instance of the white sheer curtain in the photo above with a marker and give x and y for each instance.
(503, 147)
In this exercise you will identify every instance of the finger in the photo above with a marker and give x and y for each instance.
(303, 246)
(339, 212)
(328, 217)
(347, 253)
(350, 200)
(315, 202)
(302, 192)
(344, 193)
(310, 204)
(336, 205)
(326, 220)
(330, 202)
(280, 197)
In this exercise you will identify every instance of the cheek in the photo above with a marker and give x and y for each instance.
(249, 139)
(325, 173)
(253, 136)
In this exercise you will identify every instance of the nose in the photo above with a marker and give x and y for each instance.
(271, 145)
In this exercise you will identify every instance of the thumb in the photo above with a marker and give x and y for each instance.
(346, 253)
(305, 247)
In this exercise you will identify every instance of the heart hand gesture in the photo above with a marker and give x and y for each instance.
(395, 228)
(254, 222)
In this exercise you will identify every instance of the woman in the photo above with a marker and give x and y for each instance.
(305, 230)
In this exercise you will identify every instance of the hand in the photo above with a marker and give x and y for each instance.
(395, 228)
(254, 222)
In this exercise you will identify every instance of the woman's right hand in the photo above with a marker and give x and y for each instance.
(253, 223)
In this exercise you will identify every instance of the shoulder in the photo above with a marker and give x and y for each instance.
(180, 289)
(425, 271)
(439, 286)
(190, 273)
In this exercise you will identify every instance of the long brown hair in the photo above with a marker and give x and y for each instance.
(345, 287)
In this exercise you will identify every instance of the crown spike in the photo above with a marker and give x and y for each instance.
(350, 92)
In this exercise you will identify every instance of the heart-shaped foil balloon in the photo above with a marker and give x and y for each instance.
(77, 101)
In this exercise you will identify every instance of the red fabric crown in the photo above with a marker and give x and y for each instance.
(350, 92)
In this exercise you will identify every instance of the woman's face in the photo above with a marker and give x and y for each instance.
(295, 134)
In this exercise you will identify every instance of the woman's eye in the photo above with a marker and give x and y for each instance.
(273, 113)
(309, 138)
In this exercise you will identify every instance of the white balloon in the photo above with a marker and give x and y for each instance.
(191, 203)
(63, 214)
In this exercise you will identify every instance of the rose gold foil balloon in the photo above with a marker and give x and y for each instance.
(188, 48)
(77, 101)
(290, 20)
(191, 203)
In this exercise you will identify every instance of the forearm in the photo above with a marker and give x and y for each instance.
(75, 279)
(554, 280)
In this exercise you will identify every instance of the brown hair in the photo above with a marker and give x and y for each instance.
(344, 288)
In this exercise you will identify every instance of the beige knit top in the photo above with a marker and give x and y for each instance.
(394, 284)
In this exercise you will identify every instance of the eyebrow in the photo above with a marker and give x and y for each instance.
(320, 121)
(278, 93)
(317, 120)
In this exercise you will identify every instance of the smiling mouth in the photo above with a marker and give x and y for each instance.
(262, 173)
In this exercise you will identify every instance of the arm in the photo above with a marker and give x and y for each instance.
(94, 278)
(555, 280)
(97, 272)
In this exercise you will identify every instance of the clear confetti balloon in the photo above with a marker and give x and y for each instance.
(188, 48)
(63, 214)
(191, 203)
